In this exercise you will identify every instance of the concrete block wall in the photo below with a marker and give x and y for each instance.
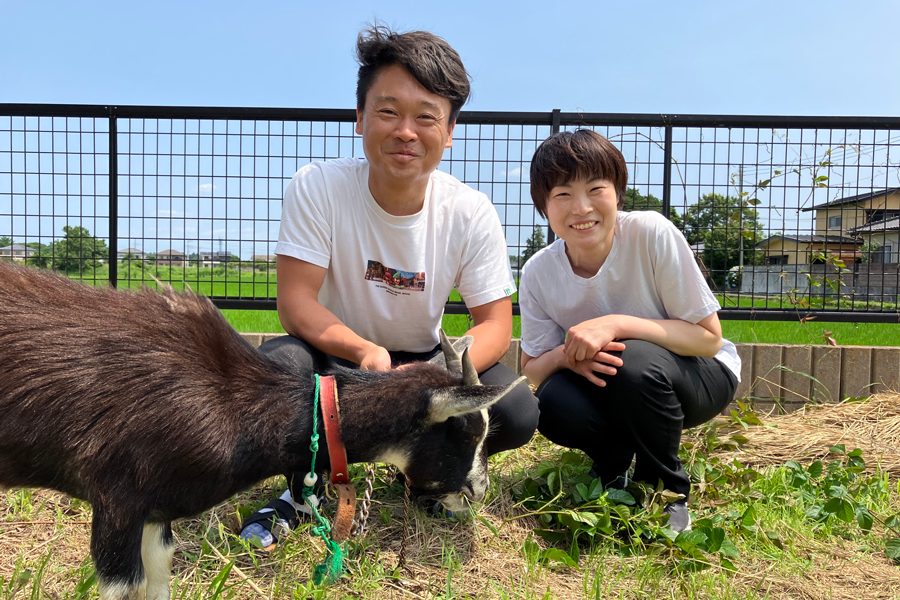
(789, 375)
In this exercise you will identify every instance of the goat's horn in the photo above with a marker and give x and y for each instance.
(470, 374)
(451, 356)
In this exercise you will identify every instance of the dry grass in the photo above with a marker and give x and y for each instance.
(409, 555)
(806, 435)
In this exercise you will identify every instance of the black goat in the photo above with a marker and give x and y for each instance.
(152, 408)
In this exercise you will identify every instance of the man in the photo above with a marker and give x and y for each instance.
(369, 250)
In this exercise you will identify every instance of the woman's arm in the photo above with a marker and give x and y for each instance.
(687, 339)
(539, 368)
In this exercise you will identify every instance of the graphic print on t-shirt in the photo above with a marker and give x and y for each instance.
(397, 281)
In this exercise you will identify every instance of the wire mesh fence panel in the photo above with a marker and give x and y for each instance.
(787, 216)
(54, 208)
(200, 199)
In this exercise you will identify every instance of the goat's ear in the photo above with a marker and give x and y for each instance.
(461, 344)
(450, 356)
(461, 400)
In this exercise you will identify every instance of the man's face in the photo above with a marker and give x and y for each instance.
(405, 130)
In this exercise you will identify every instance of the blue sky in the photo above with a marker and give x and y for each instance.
(763, 57)
(824, 58)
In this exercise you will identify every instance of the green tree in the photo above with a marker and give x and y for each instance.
(78, 250)
(534, 243)
(5, 241)
(39, 256)
(728, 229)
(634, 200)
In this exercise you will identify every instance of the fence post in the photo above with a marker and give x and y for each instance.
(113, 199)
(667, 172)
(554, 128)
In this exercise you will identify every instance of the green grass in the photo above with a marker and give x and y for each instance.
(812, 332)
(811, 528)
(825, 527)
(249, 283)
(765, 332)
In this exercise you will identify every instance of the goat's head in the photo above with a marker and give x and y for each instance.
(446, 459)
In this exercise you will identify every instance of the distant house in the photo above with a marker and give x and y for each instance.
(133, 253)
(219, 257)
(263, 258)
(841, 227)
(16, 252)
(840, 217)
(175, 258)
(882, 237)
(789, 249)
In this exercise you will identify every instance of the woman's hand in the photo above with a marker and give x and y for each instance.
(602, 363)
(585, 340)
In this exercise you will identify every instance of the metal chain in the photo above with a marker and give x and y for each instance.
(359, 522)
(407, 495)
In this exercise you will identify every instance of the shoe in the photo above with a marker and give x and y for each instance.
(275, 520)
(619, 483)
(679, 516)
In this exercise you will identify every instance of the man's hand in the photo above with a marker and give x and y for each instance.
(376, 359)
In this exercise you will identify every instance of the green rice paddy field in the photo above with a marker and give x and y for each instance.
(256, 283)
(766, 332)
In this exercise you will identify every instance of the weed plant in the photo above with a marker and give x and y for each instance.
(547, 530)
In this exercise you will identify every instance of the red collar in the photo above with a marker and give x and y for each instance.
(331, 416)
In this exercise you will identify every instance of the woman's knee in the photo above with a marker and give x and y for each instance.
(566, 404)
(645, 365)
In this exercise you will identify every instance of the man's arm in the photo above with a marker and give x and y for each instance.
(491, 332)
(304, 317)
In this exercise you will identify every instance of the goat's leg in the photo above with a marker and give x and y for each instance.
(157, 548)
(116, 550)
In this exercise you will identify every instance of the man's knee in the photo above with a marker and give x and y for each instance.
(291, 352)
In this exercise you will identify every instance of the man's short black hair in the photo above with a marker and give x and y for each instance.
(427, 57)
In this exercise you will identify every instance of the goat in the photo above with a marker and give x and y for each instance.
(152, 408)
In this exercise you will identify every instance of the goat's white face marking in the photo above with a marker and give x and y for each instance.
(477, 478)
(157, 558)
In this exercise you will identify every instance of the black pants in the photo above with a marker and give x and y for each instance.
(513, 419)
(639, 415)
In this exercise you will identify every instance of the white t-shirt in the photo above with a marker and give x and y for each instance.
(650, 273)
(389, 277)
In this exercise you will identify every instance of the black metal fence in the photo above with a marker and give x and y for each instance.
(788, 216)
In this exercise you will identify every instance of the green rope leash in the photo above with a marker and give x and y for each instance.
(333, 566)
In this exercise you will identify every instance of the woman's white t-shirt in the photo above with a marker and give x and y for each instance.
(650, 273)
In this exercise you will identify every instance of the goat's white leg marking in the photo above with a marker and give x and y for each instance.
(122, 591)
(157, 558)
